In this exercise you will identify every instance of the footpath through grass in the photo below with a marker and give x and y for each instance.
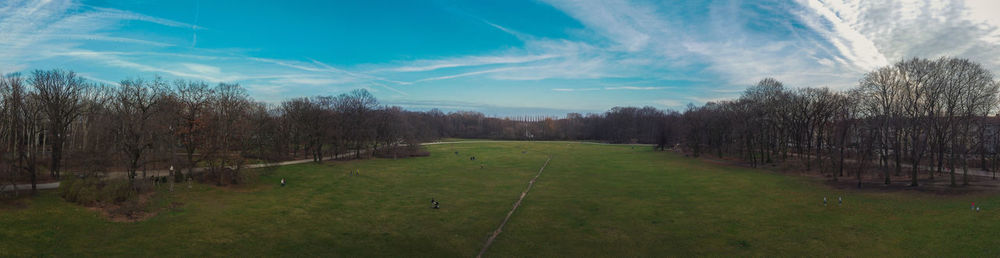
(592, 200)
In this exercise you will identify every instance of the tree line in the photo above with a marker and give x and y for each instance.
(55, 121)
(914, 116)
(617, 125)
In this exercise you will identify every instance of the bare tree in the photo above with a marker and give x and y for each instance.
(918, 101)
(22, 128)
(61, 95)
(880, 89)
(94, 130)
(979, 99)
(230, 132)
(193, 118)
(356, 106)
(134, 105)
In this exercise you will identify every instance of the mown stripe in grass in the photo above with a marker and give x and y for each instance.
(516, 204)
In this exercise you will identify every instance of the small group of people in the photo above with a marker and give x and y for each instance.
(435, 204)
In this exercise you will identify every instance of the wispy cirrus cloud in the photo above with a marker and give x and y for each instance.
(430, 65)
(869, 34)
(636, 88)
(670, 102)
(575, 89)
(805, 43)
(630, 88)
(37, 34)
(627, 49)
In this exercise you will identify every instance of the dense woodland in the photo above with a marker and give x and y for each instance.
(913, 116)
(912, 119)
(54, 123)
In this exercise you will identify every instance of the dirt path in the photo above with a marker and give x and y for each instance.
(55, 185)
(118, 174)
(958, 171)
(516, 204)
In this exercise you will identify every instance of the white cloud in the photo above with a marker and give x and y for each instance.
(38, 34)
(496, 70)
(430, 65)
(126, 15)
(806, 43)
(202, 69)
(575, 89)
(842, 33)
(669, 102)
(636, 88)
(868, 30)
(627, 24)
(310, 81)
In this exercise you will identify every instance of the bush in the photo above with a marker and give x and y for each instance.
(66, 188)
(116, 191)
(88, 195)
(90, 191)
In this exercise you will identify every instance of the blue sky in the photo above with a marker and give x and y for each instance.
(498, 57)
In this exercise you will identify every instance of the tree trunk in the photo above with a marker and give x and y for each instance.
(899, 159)
(56, 157)
(34, 181)
(885, 169)
(951, 166)
(319, 153)
(965, 170)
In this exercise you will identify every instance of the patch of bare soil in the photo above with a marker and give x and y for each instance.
(129, 211)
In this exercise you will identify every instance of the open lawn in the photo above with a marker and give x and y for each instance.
(591, 200)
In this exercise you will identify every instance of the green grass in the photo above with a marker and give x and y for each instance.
(591, 200)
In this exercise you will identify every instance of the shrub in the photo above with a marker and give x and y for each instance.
(88, 194)
(116, 191)
(66, 190)
(90, 191)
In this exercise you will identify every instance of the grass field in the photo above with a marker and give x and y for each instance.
(591, 200)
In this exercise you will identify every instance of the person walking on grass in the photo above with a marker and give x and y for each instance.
(282, 182)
